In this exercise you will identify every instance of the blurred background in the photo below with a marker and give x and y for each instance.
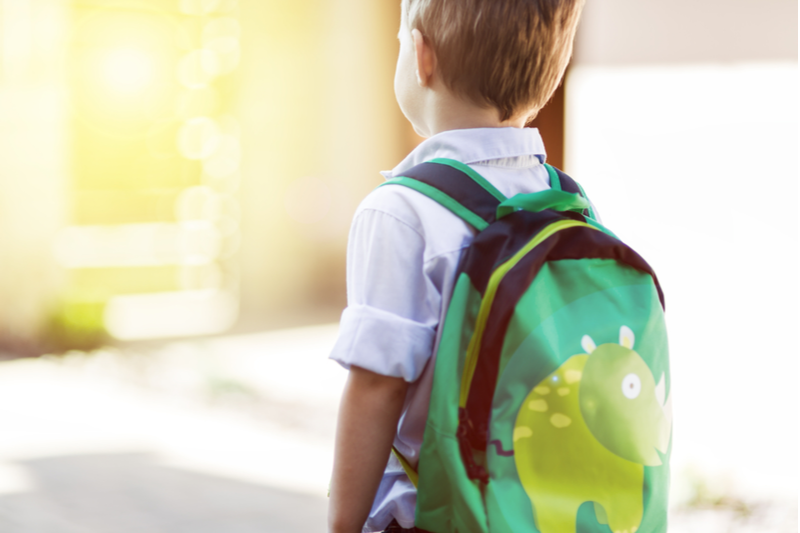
(177, 179)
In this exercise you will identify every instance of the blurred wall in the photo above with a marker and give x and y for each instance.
(150, 250)
(101, 226)
(33, 161)
(616, 32)
(319, 120)
(682, 126)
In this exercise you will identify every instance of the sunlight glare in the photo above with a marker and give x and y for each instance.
(199, 138)
(170, 314)
(128, 70)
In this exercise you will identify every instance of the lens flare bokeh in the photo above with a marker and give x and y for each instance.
(156, 156)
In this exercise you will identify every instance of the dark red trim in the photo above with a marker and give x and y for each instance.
(572, 243)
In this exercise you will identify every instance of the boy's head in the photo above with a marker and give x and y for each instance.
(505, 54)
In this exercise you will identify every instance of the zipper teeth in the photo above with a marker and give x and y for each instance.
(471, 361)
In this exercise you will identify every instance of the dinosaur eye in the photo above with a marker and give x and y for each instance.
(631, 386)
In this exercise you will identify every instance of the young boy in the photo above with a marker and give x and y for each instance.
(470, 75)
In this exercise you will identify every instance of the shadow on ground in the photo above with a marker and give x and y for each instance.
(132, 493)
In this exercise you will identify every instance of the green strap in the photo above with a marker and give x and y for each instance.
(447, 201)
(539, 201)
(480, 180)
(555, 182)
(410, 472)
(591, 211)
(554, 198)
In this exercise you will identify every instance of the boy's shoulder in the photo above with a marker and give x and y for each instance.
(391, 206)
(403, 204)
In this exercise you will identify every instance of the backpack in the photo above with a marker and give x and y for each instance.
(550, 409)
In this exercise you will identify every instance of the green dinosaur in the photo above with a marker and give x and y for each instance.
(584, 434)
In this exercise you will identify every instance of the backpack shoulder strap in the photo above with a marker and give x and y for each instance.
(559, 181)
(455, 186)
(466, 193)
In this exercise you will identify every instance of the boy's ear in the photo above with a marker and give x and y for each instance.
(426, 60)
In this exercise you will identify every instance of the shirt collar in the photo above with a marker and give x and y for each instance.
(505, 146)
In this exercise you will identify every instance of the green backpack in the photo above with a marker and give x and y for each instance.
(549, 409)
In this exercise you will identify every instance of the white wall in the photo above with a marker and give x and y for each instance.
(682, 126)
(696, 167)
(32, 175)
(33, 160)
(319, 121)
(615, 32)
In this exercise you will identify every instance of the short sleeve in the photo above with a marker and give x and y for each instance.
(389, 325)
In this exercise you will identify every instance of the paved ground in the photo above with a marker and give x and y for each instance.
(224, 435)
(129, 492)
(217, 436)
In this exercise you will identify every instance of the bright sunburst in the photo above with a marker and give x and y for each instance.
(128, 70)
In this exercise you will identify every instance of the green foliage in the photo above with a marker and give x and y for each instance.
(74, 325)
(706, 494)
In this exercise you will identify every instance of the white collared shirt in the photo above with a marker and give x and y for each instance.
(402, 256)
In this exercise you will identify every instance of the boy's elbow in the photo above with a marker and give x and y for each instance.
(390, 387)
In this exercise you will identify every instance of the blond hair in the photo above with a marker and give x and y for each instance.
(509, 54)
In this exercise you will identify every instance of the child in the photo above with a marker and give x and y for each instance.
(470, 75)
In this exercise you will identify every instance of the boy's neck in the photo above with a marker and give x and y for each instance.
(445, 111)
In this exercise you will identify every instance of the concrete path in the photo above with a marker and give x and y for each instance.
(235, 435)
(218, 436)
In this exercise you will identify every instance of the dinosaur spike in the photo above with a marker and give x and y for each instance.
(668, 409)
(661, 390)
(665, 434)
(588, 344)
(626, 337)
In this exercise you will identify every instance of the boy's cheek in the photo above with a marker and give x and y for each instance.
(404, 91)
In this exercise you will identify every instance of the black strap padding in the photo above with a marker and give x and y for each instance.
(571, 243)
(459, 186)
(502, 240)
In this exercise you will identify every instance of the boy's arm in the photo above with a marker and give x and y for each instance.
(368, 415)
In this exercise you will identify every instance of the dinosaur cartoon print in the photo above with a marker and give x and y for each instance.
(585, 433)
